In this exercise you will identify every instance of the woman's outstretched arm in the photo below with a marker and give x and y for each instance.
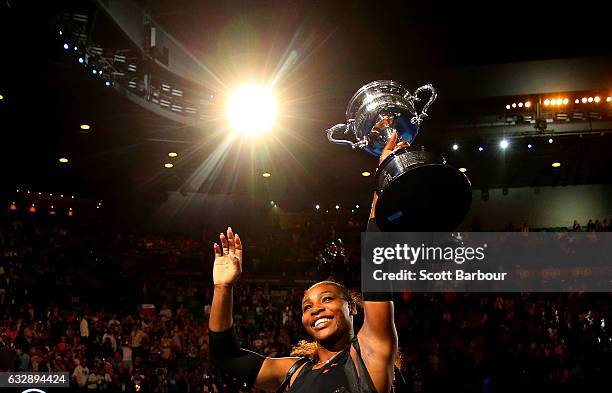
(378, 336)
(225, 352)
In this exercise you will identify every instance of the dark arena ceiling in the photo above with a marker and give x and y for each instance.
(480, 57)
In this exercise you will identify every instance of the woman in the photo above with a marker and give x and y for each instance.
(344, 362)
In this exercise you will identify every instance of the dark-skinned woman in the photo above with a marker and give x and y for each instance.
(343, 361)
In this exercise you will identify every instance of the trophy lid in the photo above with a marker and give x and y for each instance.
(371, 90)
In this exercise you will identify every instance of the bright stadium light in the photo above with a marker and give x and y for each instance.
(251, 110)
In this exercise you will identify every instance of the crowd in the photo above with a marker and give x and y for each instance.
(107, 308)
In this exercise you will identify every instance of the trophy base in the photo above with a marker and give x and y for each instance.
(417, 191)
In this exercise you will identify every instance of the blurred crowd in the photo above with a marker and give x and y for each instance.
(129, 313)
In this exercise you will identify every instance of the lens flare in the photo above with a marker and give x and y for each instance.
(251, 110)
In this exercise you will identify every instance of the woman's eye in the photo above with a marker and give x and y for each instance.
(327, 299)
(306, 308)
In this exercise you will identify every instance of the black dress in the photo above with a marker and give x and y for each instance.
(338, 376)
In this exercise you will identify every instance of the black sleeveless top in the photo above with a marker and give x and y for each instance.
(337, 376)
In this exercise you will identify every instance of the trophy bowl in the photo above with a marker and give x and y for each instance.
(417, 190)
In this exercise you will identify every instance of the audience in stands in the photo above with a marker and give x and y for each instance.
(106, 308)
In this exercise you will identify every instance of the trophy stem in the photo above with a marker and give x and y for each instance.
(387, 132)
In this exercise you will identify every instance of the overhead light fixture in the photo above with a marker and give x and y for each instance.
(266, 174)
(514, 104)
(528, 104)
(365, 174)
(584, 100)
(168, 165)
(356, 206)
(508, 106)
(1, 97)
(529, 145)
(337, 207)
(576, 101)
(608, 99)
(251, 110)
(556, 164)
(597, 99)
(550, 140)
(463, 170)
(455, 146)
(504, 144)
(480, 148)
(85, 127)
(63, 160)
(565, 101)
(546, 102)
(590, 99)
(172, 154)
(520, 104)
(317, 207)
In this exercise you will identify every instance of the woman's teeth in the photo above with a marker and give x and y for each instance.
(321, 321)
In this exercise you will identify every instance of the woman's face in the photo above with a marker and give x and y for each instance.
(325, 313)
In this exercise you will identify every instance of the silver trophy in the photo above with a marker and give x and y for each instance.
(417, 190)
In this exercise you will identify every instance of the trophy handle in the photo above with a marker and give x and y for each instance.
(345, 129)
(418, 118)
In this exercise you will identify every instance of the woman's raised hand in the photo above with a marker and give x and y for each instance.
(391, 146)
(228, 259)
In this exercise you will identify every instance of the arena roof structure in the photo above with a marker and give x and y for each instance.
(149, 78)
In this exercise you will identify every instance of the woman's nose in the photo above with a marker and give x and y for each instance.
(316, 310)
